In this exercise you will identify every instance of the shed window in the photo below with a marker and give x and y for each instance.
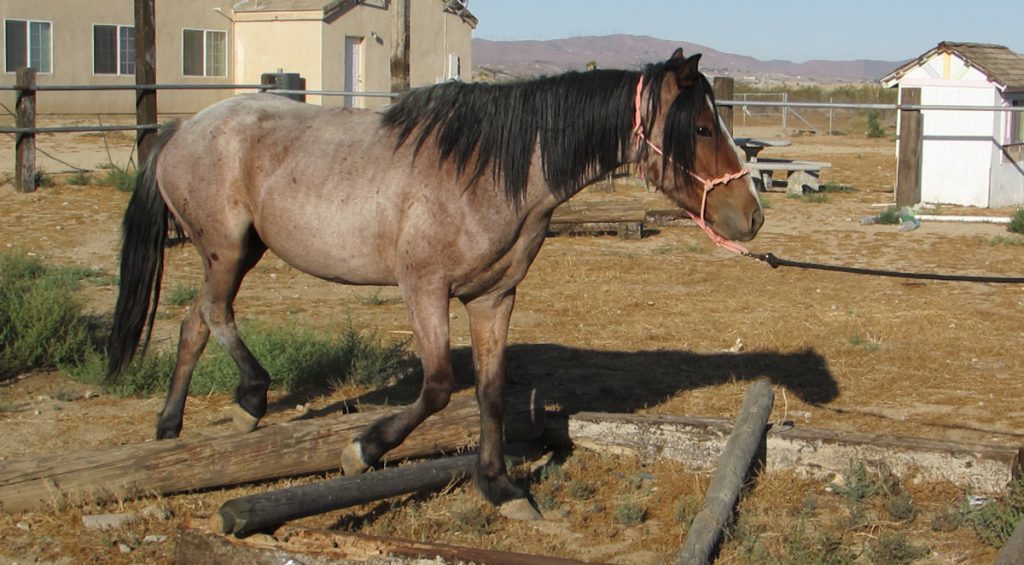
(1016, 136)
(113, 50)
(28, 44)
(204, 53)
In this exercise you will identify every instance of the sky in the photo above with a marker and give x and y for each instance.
(794, 30)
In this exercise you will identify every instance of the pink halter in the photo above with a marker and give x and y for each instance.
(709, 185)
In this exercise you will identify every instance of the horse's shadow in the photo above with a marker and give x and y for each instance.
(613, 381)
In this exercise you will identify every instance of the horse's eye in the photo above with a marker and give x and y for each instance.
(703, 131)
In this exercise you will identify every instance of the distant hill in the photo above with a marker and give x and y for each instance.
(528, 58)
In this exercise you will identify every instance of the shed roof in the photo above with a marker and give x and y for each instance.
(997, 62)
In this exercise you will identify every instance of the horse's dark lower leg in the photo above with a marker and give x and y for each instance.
(254, 381)
(192, 341)
(489, 318)
(429, 318)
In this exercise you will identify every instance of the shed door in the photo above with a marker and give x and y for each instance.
(956, 154)
(354, 71)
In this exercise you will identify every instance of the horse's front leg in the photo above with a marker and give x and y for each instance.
(428, 314)
(489, 320)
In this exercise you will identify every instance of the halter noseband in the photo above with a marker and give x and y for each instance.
(709, 185)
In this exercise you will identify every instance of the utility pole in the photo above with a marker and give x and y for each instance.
(145, 74)
(400, 25)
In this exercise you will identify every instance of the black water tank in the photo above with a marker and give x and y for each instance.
(285, 81)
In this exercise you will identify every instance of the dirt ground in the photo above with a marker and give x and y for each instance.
(665, 325)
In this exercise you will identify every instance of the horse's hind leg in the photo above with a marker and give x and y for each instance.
(225, 265)
(194, 335)
(428, 313)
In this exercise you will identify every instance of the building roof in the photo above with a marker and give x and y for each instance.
(332, 7)
(279, 5)
(997, 62)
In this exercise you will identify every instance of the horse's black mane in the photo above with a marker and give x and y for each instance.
(582, 121)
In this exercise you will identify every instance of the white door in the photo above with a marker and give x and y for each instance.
(354, 71)
(956, 153)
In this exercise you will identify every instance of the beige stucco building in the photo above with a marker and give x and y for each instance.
(335, 45)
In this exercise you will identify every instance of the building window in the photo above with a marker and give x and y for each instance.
(454, 67)
(28, 44)
(204, 53)
(1013, 149)
(113, 50)
(1016, 136)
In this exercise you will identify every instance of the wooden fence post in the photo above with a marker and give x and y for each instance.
(908, 170)
(25, 143)
(145, 73)
(725, 88)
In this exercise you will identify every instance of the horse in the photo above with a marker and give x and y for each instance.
(446, 193)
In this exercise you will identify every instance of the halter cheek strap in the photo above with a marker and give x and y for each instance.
(708, 184)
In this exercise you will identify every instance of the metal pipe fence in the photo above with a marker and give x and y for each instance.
(25, 129)
(871, 106)
(26, 88)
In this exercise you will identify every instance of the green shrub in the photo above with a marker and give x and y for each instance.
(581, 490)
(296, 358)
(181, 295)
(857, 484)
(995, 521)
(1017, 222)
(472, 519)
(901, 507)
(812, 197)
(121, 179)
(80, 178)
(875, 126)
(630, 513)
(801, 547)
(42, 324)
(41, 179)
(835, 187)
(895, 548)
(686, 509)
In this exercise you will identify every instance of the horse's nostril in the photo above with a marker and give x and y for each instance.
(756, 219)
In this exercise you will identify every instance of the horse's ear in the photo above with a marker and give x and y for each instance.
(684, 68)
(677, 54)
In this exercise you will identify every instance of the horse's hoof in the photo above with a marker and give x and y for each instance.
(352, 462)
(519, 509)
(243, 421)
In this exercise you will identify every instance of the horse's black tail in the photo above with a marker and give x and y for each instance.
(144, 237)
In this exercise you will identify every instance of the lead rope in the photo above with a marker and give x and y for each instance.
(709, 185)
(769, 258)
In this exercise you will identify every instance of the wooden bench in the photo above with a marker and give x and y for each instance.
(799, 175)
(597, 219)
(752, 147)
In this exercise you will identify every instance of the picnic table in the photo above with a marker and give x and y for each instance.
(751, 146)
(795, 176)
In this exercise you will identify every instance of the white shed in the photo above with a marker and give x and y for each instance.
(973, 158)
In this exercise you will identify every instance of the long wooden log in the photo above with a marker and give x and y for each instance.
(258, 512)
(280, 450)
(745, 441)
(1012, 552)
(809, 452)
(197, 546)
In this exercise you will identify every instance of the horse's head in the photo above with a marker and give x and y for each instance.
(687, 153)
